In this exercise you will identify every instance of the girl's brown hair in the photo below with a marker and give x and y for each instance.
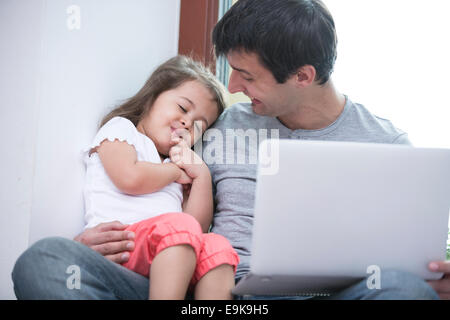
(168, 76)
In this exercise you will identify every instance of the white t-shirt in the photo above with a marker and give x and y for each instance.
(104, 202)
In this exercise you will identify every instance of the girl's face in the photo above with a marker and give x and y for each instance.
(188, 109)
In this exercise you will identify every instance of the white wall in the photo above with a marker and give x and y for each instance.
(56, 81)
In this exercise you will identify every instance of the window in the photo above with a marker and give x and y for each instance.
(394, 58)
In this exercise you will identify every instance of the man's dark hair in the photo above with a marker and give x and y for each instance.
(285, 34)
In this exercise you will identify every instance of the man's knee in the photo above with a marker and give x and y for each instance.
(406, 285)
(37, 261)
(35, 256)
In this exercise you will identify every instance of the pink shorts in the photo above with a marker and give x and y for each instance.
(170, 229)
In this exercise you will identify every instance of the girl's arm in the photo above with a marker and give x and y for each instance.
(200, 203)
(131, 176)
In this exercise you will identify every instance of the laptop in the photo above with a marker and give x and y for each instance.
(329, 214)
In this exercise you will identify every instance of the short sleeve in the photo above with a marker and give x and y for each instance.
(402, 139)
(118, 128)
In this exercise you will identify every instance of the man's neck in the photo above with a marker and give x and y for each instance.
(319, 108)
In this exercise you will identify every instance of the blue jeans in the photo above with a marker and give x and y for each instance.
(45, 271)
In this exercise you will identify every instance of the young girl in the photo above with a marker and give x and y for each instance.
(136, 166)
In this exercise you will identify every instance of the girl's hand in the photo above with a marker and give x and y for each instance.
(184, 179)
(185, 158)
(181, 135)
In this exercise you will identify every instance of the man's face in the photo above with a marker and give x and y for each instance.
(269, 98)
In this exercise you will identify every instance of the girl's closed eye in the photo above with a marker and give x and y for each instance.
(181, 107)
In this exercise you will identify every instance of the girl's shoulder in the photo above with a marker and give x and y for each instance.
(118, 128)
(119, 123)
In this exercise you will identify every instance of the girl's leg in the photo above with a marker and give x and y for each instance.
(166, 251)
(171, 273)
(217, 262)
(216, 284)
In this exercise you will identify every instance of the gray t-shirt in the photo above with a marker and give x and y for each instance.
(230, 151)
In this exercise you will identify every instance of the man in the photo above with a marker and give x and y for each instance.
(282, 53)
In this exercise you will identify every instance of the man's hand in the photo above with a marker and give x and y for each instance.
(441, 286)
(110, 240)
